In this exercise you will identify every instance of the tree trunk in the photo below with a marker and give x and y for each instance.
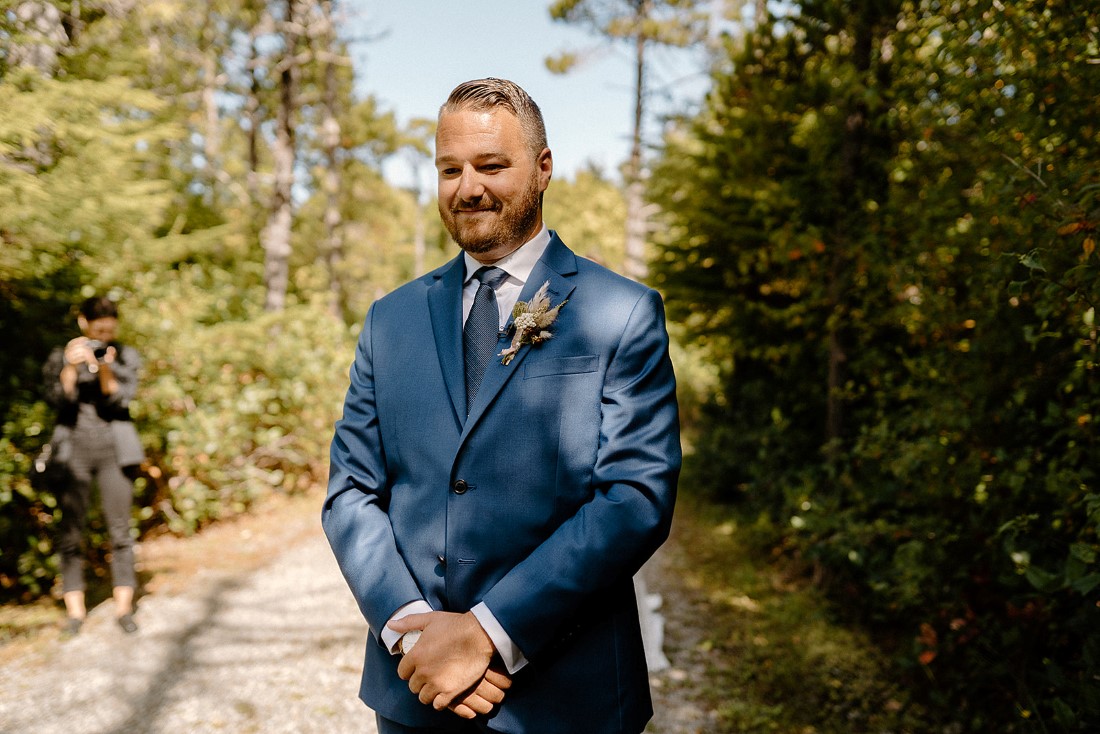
(761, 13)
(276, 235)
(850, 223)
(420, 228)
(333, 244)
(636, 228)
(252, 109)
(211, 137)
(420, 235)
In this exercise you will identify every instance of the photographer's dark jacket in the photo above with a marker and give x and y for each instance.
(90, 409)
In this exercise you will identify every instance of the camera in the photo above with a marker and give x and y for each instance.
(99, 349)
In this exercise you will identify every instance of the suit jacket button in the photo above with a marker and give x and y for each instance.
(460, 486)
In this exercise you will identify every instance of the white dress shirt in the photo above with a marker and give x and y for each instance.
(518, 265)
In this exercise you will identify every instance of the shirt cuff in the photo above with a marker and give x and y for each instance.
(511, 655)
(391, 638)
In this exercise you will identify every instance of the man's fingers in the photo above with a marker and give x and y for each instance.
(405, 669)
(411, 622)
(481, 700)
(498, 678)
(428, 694)
(449, 667)
(419, 685)
(463, 711)
(488, 692)
(473, 703)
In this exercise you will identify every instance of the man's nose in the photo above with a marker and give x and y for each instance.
(470, 187)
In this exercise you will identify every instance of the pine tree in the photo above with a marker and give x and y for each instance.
(642, 24)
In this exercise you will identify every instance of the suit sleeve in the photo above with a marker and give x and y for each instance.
(354, 516)
(634, 488)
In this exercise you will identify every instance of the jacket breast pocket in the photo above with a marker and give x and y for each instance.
(561, 366)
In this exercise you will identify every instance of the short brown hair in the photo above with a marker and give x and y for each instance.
(491, 93)
(98, 307)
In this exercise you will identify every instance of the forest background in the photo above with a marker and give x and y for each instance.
(875, 237)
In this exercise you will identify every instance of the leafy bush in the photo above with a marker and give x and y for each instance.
(883, 225)
(233, 404)
(234, 408)
(26, 564)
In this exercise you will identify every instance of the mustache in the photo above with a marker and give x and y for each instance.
(470, 209)
(481, 204)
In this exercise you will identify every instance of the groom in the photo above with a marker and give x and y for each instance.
(506, 461)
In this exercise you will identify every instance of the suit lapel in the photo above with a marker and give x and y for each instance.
(555, 266)
(445, 306)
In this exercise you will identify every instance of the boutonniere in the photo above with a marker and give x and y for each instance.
(531, 321)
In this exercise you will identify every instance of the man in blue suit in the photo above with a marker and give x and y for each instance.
(506, 461)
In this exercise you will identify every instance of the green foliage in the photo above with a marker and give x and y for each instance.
(25, 562)
(236, 403)
(881, 226)
(589, 214)
(379, 240)
(776, 659)
(76, 153)
(135, 160)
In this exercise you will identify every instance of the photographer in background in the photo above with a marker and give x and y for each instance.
(90, 382)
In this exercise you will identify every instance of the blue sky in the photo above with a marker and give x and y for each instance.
(421, 49)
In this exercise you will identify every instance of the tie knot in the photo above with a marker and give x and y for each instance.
(490, 276)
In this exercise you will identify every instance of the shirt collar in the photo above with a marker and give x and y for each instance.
(517, 264)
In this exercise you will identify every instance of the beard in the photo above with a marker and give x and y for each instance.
(513, 221)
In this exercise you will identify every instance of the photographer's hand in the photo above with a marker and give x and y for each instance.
(108, 383)
(76, 353)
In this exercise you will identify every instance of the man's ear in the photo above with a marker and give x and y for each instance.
(82, 322)
(545, 163)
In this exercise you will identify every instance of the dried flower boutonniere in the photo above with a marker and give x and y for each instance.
(530, 322)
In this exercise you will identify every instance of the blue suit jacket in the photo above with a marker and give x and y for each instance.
(542, 503)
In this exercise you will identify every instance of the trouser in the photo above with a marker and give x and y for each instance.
(94, 459)
(461, 726)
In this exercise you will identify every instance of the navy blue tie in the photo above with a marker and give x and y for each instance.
(479, 335)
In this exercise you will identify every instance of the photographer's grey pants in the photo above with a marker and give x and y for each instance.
(94, 459)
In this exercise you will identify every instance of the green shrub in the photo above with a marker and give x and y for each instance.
(237, 408)
(234, 404)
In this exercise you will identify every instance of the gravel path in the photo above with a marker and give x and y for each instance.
(679, 691)
(273, 649)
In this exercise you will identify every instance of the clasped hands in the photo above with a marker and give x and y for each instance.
(449, 667)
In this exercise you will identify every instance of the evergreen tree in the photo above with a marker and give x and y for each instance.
(642, 24)
(881, 226)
